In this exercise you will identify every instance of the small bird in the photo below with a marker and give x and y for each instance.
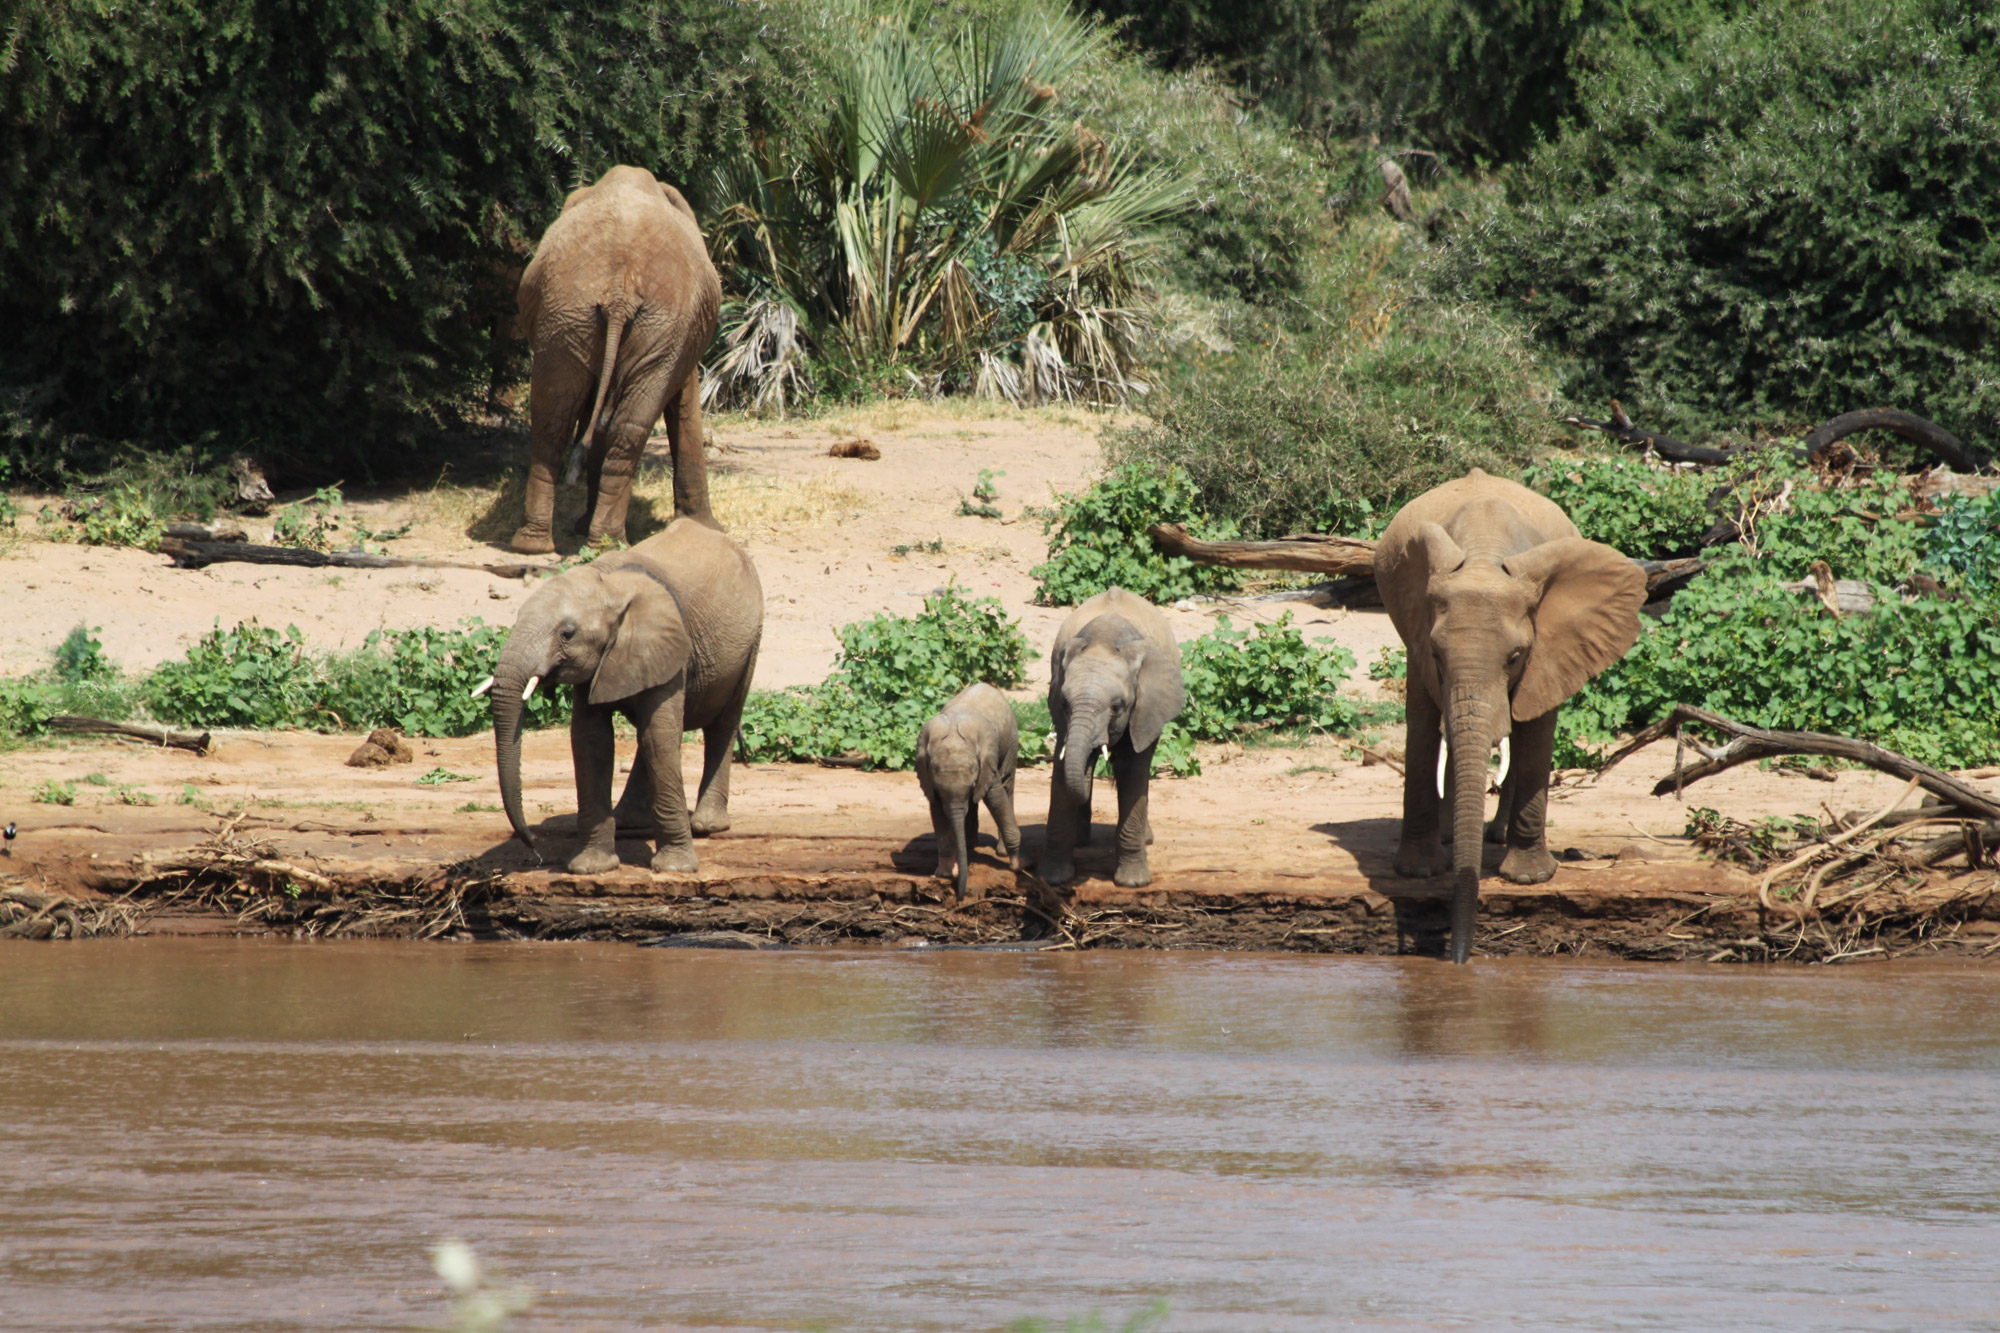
(11, 834)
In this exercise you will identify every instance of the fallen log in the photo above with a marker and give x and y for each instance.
(1308, 553)
(1924, 434)
(1752, 743)
(1621, 429)
(200, 554)
(161, 736)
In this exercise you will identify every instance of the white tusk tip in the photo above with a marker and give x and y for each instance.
(1444, 756)
(530, 689)
(482, 687)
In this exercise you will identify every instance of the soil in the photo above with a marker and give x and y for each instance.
(1285, 846)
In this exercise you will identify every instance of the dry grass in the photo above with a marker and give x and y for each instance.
(746, 503)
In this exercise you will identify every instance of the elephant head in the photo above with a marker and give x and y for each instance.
(1108, 683)
(1509, 638)
(611, 630)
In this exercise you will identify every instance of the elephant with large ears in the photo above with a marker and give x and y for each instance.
(1114, 684)
(665, 633)
(1506, 611)
(618, 305)
(965, 755)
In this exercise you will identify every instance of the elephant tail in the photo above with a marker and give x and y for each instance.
(617, 314)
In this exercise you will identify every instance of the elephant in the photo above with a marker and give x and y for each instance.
(620, 297)
(965, 755)
(665, 633)
(1506, 611)
(1114, 684)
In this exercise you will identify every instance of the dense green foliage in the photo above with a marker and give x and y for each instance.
(1798, 218)
(1264, 677)
(893, 673)
(1919, 674)
(1964, 543)
(1648, 513)
(1378, 395)
(80, 680)
(293, 227)
(1098, 540)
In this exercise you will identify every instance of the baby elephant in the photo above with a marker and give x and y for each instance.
(965, 755)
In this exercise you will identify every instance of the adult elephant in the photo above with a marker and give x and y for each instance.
(1114, 684)
(665, 633)
(1506, 611)
(618, 305)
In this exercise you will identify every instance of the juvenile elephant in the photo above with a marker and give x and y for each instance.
(1506, 612)
(665, 633)
(965, 755)
(618, 305)
(1114, 683)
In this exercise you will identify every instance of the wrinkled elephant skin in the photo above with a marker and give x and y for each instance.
(965, 755)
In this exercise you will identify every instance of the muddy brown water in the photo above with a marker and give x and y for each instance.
(225, 1134)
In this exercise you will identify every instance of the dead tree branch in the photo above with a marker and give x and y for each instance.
(1756, 743)
(1924, 434)
(161, 736)
(200, 554)
(1620, 428)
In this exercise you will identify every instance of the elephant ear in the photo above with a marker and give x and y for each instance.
(650, 645)
(678, 202)
(1157, 694)
(1585, 619)
(1429, 553)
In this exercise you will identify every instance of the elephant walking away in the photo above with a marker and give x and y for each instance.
(1114, 684)
(965, 755)
(666, 634)
(618, 305)
(1506, 611)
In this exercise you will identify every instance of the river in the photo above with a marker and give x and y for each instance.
(231, 1134)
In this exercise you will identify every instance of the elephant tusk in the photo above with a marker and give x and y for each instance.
(1105, 754)
(1444, 755)
(530, 688)
(1505, 757)
(1059, 751)
(482, 687)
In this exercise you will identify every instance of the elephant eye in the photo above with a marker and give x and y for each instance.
(569, 632)
(1516, 656)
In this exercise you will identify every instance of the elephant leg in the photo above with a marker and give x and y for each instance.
(638, 395)
(947, 858)
(1058, 864)
(718, 749)
(1421, 854)
(558, 395)
(635, 806)
(592, 753)
(1134, 773)
(657, 715)
(685, 438)
(1496, 828)
(1528, 860)
(1000, 804)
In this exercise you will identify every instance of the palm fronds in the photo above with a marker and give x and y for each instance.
(943, 223)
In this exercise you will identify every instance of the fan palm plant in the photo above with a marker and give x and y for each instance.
(942, 222)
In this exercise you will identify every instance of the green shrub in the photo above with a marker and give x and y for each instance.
(892, 675)
(51, 792)
(1380, 393)
(1965, 541)
(1264, 677)
(1789, 520)
(1794, 220)
(1648, 513)
(248, 676)
(80, 656)
(312, 250)
(422, 679)
(1098, 539)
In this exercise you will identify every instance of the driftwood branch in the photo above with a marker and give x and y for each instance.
(1751, 743)
(1924, 434)
(200, 554)
(1620, 428)
(179, 740)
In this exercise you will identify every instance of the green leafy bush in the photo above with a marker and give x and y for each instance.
(51, 792)
(1098, 539)
(892, 675)
(1648, 513)
(250, 675)
(422, 679)
(1965, 541)
(1380, 393)
(80, 656)
(81, 680)
(1264, 677)
(295, 227)
(1792, 220)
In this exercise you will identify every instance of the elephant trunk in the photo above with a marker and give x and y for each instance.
(1087, 733)
(955, 810)
(510, 679)
(1469, 733)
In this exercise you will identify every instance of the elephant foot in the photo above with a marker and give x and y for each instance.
(532, 541)
(707, 820)
(1058, 871)
(593, 861)
(680, 859)
(1496, 830)
(947, 868)
(1132, 873)
(1528, 865)
(1421, 860)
